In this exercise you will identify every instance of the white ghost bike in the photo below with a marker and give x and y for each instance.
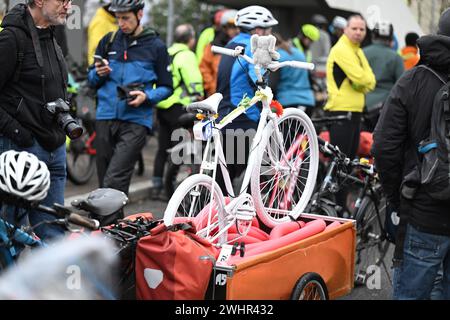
(282, 166)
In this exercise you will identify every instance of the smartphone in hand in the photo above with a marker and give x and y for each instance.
(98, 58)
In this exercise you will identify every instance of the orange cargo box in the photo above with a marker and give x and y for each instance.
(275, 275)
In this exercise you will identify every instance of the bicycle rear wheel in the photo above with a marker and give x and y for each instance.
(80, 164)
(371, 243)
(192, 199)
(285, 173)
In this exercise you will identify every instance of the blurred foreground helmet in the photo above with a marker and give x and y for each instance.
(23, 175)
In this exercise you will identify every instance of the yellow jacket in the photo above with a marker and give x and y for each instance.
(101, 24)
(349, 77)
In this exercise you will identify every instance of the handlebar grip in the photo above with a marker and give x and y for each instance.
(225, 51)
(302, 65)
(83, 221)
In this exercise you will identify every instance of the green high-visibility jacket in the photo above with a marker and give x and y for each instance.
(186, 77)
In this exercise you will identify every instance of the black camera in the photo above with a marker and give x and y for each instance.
(60, 109)
(123, 92)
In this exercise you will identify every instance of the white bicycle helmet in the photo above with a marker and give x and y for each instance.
(255, 17)
(23, 175)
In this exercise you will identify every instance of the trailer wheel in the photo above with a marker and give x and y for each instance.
(310, 287)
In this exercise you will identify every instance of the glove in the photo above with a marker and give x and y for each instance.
(18, 134)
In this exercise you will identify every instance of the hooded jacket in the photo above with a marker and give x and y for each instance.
(144, 60)
(404, 122)
(387, 66)
(22, 103)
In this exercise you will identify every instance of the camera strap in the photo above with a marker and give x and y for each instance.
(37, 50)
(40, 57)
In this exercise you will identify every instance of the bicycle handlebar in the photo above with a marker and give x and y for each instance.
(274, 66)
(57, 211)
(71, 217)
(332, 119)
(228, 52)
(334, 151)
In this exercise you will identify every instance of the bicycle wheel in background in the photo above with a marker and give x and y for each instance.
(282, 186)
(80, 163)
(371, 243)
(192, 198)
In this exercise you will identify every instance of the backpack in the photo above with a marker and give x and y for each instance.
(433, 170)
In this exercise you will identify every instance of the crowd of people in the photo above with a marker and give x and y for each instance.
(156, 82)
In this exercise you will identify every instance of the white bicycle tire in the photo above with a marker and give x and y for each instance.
(203, 182)
(268, 215)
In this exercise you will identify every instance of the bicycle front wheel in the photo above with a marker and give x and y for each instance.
(192, 199)
(371, 244)
(286, 169)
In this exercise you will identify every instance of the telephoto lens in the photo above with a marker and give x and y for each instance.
(69, 125)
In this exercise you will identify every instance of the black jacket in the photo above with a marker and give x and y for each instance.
(404, 122)
(22, 113)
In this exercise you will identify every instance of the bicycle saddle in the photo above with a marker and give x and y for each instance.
(206, 106)
(103, 202)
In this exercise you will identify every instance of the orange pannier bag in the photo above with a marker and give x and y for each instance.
(173, 263)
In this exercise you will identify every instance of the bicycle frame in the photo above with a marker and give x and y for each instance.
(9, 252)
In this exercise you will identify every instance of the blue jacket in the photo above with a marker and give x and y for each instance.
(233, 84)
(139, 60)
(294, 87)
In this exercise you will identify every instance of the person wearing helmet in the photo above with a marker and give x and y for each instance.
(209, 64)
(131, 79)
(306, 36)
(207, 35)
(387, 66)
(321, 48)
(237, 78)
(33, 74)
(101, 24)
(337, 29)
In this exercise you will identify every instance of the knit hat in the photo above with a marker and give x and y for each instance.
(444, 23)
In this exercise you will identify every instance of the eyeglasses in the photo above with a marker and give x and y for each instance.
(64, 3)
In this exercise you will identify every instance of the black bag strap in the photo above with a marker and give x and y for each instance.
(445, 97)
(172, 59)
(433, 72)
(111, 37)
(19, 35)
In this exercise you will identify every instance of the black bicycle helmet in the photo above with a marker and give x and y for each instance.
(126, 5)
